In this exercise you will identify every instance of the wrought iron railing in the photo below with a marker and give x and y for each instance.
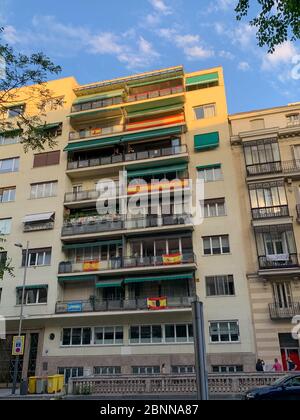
(269, 212)
(278, 311)
(264, 168)
(278, 261)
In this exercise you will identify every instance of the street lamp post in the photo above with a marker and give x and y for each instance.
(17, 359)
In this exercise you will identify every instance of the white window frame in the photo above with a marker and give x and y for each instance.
(107, 370)
(226, 279)
(115, 342)
(182, 369)
(14, 167)
(205, 107)
(220, 243)
(138, 370)
(34, 190)
(213, 172)
(8, 223)
(37, 297)
(6, 141)
(11, 194)
(37, 257)
(81, 337)
(216, 204)
(228, 367)
(220, 333)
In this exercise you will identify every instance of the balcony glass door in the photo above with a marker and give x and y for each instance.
(282, 295)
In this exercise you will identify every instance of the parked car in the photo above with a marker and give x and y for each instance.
(285, 388)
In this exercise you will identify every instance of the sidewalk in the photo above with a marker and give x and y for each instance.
(5, 394)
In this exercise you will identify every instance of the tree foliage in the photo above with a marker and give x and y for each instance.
(277, 21)
(18, 71)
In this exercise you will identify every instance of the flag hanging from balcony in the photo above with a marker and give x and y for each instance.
(172, 259)
(91, 266)
(155, 304)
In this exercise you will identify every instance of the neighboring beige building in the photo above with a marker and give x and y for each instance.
(111, 295)
(266, 150)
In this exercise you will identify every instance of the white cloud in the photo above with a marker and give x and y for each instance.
(243, 66)
(10, 35)
(220, 6)
(161, 7)
(191, 44)
(226, 54)
(283, 54)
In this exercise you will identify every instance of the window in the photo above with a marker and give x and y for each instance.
(145, 334)
(7, 194)
(145, 370)
(76, 336)
(179, 333)
(74, 372)
(205, 111)
(33, 296)
(108, 335)
(4, 141)
(293, 119)
(211, 174)
(216, 245)
(43, 190)
(282, 295)
(220, 286)
(15, 111)
(46, 159)
(268, 194)
(224, 332)
(5, 226)
(107, 370)
(9, 165)
(262, 153)
(182, 370)
(37, 257)
(228, 369)
(214, 208)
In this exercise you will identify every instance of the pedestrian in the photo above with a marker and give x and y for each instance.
(292, 367)
(277, 367)
(260, 365)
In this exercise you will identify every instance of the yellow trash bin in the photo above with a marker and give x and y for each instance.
(32, 385)
(52, 384)
(60, 382)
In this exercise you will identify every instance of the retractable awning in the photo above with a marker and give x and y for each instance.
(91, 244)
(212, 166)
(175, 277)
(144, 135)
(92, 144)
(207, 141)
(41, 217)
(155, 111)
(104, 284)
(202, 79)
(71, 279)
(35, 286)
(157, 170)
(91, 98)
(134, 84)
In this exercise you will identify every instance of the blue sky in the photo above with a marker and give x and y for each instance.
(99, 39)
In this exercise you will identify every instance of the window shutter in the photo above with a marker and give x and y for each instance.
(40, 160)
(53, 158)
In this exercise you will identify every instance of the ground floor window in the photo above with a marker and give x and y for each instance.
(145, 370)
(107, 370)
(182, 369)
(227, 369)
(74, 372)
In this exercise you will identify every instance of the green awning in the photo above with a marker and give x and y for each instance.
(35, 286)
(213, 166)
(92, 244)
(104, 284)
(153, 82)
(202, 79)
(92, 144)
(207, 141)
(83, 278)
(11, 133)
(82, 114)
(92, 98)
(48, 127)
(153, 111)
(157, 170)
(152, 134)
(186, 276)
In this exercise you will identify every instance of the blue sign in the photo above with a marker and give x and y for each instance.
(75, 307)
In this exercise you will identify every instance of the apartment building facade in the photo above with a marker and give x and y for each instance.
(111, 294)
(265, 146)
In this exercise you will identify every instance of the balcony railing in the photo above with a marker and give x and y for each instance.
(97, 225)
(96, 132)
(291, 166)
(155, 94)
(278, 312)
(34, 227)
(264, 168)
(135, 304)
(278, 261)
(104, 103)
(269, 212)
(119, 263)
(128, 157)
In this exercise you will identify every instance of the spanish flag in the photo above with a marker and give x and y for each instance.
(91, 266)
(172, 259)
(155, 304)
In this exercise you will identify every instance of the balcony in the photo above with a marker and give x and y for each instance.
(95, 132)
(97, 104)
(291, 167)
(277, 312)
(264, 168)
(128, 157)
(121, 263)
(135, 304)
(97, 225)
(269, 212)
(155, 94)
(278, 261)
(35, 227)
